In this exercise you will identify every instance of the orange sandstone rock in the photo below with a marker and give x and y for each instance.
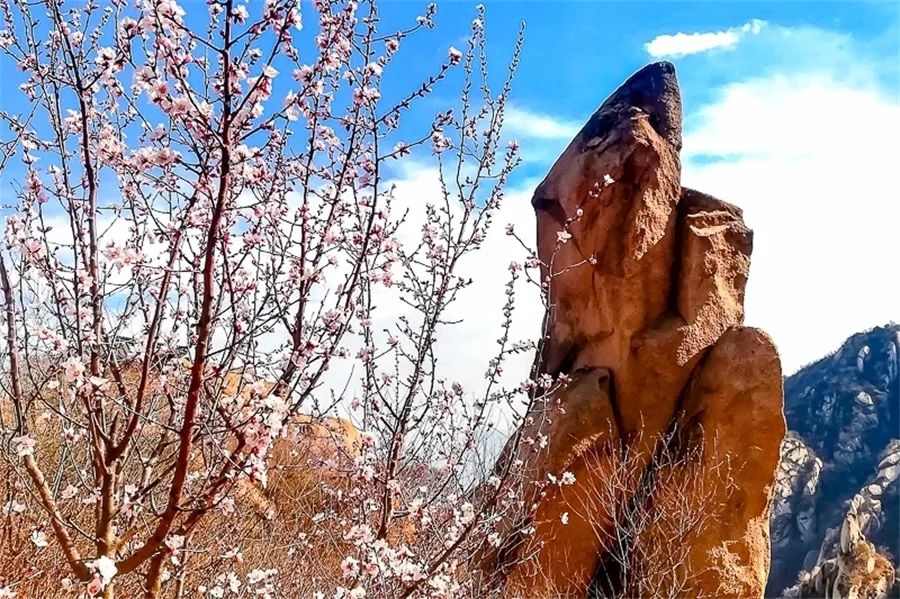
(646, 301)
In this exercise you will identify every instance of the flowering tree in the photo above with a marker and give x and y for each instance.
(201, 244)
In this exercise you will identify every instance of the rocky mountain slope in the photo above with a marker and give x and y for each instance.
(841, 457)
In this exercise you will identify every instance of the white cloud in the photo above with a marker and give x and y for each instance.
(809, 157)
(684, 44)
(523, 123)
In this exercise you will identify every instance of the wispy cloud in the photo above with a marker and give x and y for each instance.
(684, 44)
(522, 123)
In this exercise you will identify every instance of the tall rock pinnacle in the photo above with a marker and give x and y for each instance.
(674, 411)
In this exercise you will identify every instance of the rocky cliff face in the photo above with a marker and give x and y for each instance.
(646, 288)
(842, 456)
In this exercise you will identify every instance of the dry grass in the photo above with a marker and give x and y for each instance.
(271, 528)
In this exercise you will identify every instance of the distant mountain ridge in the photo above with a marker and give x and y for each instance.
(842, 454)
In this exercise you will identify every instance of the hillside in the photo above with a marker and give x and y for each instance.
(842, 455)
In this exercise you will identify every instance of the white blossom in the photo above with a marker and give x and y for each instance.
(24, 445)
(39, 539)
(104, 567)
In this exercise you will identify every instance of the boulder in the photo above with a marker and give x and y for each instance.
(733, 413)
(667, 403)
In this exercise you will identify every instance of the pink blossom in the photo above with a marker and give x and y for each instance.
(110, 147)
(73, 369)
(226, 506)
(175, 542)
(35, 188)
(373, 69)
(365, 95)
(169, 10)
(24, 445)
(179, 106)
(360, 534)
(122, 257)
(350, 567)
(33, 249)
(106, 60)
(333, 320)
(439, 141)
(239, 14)
(401, 149)
(148, 157)
(303, 73)
(129, 27)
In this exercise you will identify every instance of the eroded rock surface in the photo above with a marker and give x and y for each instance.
(646, 303)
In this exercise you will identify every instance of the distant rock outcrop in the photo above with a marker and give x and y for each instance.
(857, 571)
(794, 506)
(842, 457)
(646, 289)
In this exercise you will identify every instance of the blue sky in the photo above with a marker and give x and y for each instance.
(792, 111)
(582, 50)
